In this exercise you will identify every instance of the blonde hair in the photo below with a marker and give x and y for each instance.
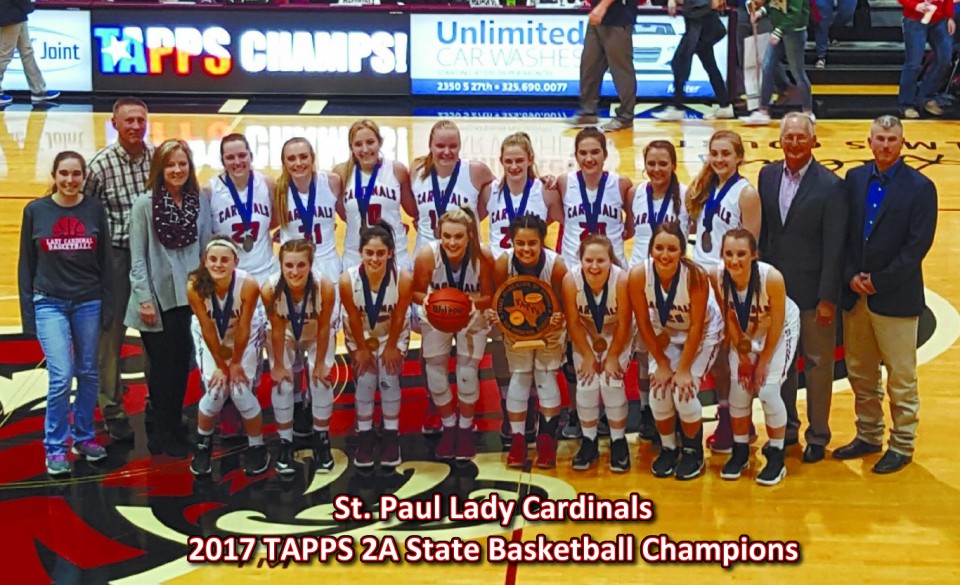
(521, 140)
(426, 163)
(352, 161)
(283, 183)
(161, 156)
(466, 217)
(699, 190)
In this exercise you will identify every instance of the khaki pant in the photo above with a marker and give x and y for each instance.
(16, 36)
(870, 340)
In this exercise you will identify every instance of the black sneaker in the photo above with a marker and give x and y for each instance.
(665, 463)
(774, 472)
(120, 429)
(284, 462)
(586, 455)
(302, 419)
(172, 446)
(201, 457)
(619, 456)
(321, 451)
(571, 430)
(648, 427)
(691, 460)
(256, 460)
(364, 456)
(739, 460)
(390, 449)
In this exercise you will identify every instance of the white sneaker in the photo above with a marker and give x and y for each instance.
(670, 114)
(911, 113)
(719, 113)
(756, 118)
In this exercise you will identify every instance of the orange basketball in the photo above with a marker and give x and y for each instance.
(449, 309)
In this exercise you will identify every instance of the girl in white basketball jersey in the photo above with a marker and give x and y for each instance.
(457, 260)
(680, 321)
(529, 257)
(228, 336)
(299, 303)
(597, 307)
(763, 326)
(441, 180)
(659, 200)
(594, 200)
(376, 297)
(305, 205)
(519, 192)
(719, 200)
(241, 207)
(374, 188)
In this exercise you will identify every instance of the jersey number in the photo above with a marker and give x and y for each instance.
(601, 230)
(317, 234)
(505, 243)
(433, 220)
(374, 213)
(239, 231)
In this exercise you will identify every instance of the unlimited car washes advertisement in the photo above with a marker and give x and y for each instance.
(538, 55)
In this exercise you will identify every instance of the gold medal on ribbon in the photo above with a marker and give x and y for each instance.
(599, 345)
(373, 344)
(226, 352)
(744, 346)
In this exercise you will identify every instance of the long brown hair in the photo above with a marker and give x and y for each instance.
(354, 128)
(696, 275)
(161, 157)
(426, 163)
(62, 156)
(590, 132)
(699, 190)
(200, 278)
(466, 217)
(293, 247)
(603, 241)
(673, 189)
(283, 183)
(522, 140)
(727, 282)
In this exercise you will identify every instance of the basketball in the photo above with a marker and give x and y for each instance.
(449, 309)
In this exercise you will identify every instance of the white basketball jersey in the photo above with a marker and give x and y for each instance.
(759, 323)
(439, 279)
(610, 318)
(643, 223)
(324, 220)
(609, 223)
(725, 219)
(226, 221)
(313, 308)
(384, 204)
(391, 297)
(500, 220)
(464, 193)
(546, 274)
(678, 323)
(237, 307)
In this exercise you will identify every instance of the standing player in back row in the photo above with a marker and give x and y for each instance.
(519, 192)
(374, 188)
(719, 200)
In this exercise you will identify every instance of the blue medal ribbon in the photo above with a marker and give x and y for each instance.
(244, 211)
(463, 268)
(306, 213)
(297, 319)
(508, 199)
(524, 270)
(713, 202)
(742, 308)
(221, 315)
(656, 219)
(372, 307)
(664, 305)
(592, 211)
(362, 194)
(442, 198)
(597, 310)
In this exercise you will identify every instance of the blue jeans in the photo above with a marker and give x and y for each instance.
(69, 333)
(831, 21)
(698, 40)
(915, 37)
(791, 45)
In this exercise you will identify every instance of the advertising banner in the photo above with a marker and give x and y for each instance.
(61, 46)
(537, 54)
(248, 52)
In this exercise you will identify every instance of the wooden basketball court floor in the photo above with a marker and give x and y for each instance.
(852, 525)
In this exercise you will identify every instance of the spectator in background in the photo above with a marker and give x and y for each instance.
(117, 175)
(830, 20)
(168, 227)
(925, 21)
(14, 35)
(608, 43)
(785, 89)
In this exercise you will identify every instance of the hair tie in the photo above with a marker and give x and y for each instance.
(223, 242)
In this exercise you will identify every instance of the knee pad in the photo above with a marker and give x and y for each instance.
(662, 408)
(774, 410)
(366, 387)
(281, 397)
(690, 411)
(518, 392)
(247, 404)
(588, 402)
(438, 381)
(614, 402)
(321, 396)
(468, 380)
(390, 396)
(211, 403)
(547, 389)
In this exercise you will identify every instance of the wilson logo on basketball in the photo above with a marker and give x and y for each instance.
(449, 309)
(69, 235)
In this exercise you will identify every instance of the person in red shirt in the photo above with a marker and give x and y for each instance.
(924, 21)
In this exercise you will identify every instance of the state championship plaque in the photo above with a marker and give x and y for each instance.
(524, 305)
